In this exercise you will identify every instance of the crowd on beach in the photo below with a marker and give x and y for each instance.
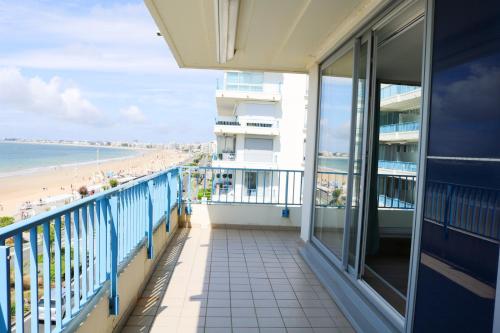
(28, 195)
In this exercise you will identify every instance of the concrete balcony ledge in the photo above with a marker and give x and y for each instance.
(243, 129)
(270, 96)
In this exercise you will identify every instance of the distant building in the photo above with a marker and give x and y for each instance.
(258, 118)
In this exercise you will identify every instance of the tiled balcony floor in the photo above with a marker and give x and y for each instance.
(228, 280)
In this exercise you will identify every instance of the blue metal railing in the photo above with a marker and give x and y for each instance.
(398, 165)
(400, 127)
(243, 186)
(82, 245)
(396, 191)
(396, 89)
(393, 191)
(470, 208)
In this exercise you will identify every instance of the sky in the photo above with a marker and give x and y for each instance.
(96, 70)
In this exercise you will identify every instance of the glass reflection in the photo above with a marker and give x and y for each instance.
(357, 158)
(333, 152)
(393, 173)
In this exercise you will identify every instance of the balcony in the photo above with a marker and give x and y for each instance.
(399, 97)
(410, 167)
(230, 93)
(396, 89)
(122, 259)
(400, 127)
(247, 125)
(224, 157)
(400, 132)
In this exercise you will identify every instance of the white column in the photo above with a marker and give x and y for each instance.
(308, 188)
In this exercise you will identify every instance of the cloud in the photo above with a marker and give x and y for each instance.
(52, 98)
(115, 38)
(133, 114)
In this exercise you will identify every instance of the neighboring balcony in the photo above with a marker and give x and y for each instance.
(400, 132)
(252, 126)
(399, 97)
(233, 93)
(228, 156)
(397, 166)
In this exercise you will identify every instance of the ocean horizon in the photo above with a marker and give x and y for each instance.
(19, 158)
(338, 164)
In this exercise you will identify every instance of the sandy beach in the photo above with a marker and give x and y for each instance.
(59, 181)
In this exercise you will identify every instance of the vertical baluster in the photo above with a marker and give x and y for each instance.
(279, 187)
(399, 192)
(179, 194)
(123, 228)
(84, 254)
(112, 217)
(46, 276)
(91, 247)
(58, 277)
(242, 185)
(272, 185)
(18, 281)
(67, 263)
(150, 220)
(76, 258)
(205, 183)
(34, 278)
(103, 254)
(286, 211)
(264, 187)
(115, 214)
(300, 191)
(130, 218)
(169, 198)
(5, 288)
(133, 226)
(97, 228)
(233, 183)
(256, 185)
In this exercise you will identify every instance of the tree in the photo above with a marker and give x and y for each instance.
(113, 182)
(6, 220)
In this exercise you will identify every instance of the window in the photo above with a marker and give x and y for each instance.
(333, 152)
(259, 150)
(251, 182)
(389, 217)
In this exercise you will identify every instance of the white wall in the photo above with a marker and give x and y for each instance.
(293, 105)
(247, 215)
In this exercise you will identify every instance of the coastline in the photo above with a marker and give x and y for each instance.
(75, 145)
(44, 183)
(28, 171)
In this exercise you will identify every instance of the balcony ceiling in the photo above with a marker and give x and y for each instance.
(271, 35)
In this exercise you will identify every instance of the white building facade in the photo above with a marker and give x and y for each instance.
(258, 118)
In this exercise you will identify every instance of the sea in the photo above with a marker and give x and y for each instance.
(339, 164)
(18, 158)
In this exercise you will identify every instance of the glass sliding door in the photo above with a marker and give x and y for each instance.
(357, 142)
(333, 151)
(394, 153)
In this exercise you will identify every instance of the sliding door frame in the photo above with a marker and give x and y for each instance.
(367, 34)
(339, 261)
